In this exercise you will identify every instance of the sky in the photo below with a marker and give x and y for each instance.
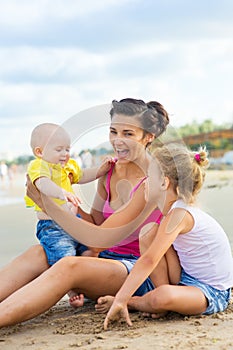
(62, 57)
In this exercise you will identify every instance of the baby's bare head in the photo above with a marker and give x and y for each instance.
(46, 133)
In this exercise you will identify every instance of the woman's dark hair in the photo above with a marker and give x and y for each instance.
(152, 115)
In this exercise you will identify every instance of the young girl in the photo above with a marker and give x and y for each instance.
(204, 252)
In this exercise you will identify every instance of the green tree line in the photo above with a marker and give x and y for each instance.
(206, 126)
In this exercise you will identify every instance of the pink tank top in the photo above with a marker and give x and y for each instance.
(129, 245)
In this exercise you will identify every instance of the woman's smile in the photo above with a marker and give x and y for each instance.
(122, 153)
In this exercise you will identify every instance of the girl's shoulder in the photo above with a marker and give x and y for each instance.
(181, 216)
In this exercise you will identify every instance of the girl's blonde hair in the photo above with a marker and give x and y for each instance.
(184, 168)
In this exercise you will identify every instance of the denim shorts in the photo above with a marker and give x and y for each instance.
(129, 261)
(55, 241)
(217, 299)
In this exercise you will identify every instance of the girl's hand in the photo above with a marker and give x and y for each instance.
(117, 311)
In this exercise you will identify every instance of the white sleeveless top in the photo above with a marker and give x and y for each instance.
(205, 251)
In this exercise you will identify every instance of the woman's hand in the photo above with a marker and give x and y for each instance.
(117, 310)
(34, 193)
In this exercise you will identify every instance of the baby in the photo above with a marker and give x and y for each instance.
(52, 172)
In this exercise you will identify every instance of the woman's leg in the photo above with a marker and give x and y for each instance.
(22, 270)
(77, 300)
(185, 300)
(91, 276)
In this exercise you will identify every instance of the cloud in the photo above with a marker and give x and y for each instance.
(26, 13)
(60, 57)
(70, 65)
(57, 83)
(48, 64)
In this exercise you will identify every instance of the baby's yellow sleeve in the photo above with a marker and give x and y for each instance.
(74, 169)
(38, 168)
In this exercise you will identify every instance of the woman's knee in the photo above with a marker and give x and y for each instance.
(31, 263)
(35, 257)
(36, 252)
(69, 263)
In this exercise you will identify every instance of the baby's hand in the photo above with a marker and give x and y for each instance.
(108, 160)
(72, 208)
(106, 165)
(71, 197)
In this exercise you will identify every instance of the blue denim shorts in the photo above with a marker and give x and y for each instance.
(55, 241)
(218, 300)
(129, 261)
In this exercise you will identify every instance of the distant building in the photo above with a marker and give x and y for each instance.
(227, 158)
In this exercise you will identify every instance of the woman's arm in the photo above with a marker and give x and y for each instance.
(113, 230)
(96, 214)
(98, 203)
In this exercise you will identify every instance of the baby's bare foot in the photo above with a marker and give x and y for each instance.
(77, 300)
(104, 304)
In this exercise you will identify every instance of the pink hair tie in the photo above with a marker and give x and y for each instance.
(197, 157)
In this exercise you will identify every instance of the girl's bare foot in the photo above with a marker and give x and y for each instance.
(77, 300)
(155, 315)
(104, 304)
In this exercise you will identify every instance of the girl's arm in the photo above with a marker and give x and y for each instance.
(171, 226)
(113, 230)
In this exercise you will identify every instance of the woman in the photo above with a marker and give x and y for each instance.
(134, 125)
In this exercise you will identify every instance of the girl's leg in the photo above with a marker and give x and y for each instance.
(173, 266)
(168, 270)
(146, 237)
(185, 300)
(86, 275)
(22, 270)
(159, 275)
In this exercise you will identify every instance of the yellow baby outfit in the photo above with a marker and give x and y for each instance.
(59, 175)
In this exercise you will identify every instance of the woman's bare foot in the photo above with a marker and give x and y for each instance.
(77, 300)
(104, 304)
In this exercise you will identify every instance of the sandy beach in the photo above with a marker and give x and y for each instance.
(65, 328)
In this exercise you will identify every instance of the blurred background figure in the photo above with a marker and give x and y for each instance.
(78, 160)
(3, 173)
(87, 159)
